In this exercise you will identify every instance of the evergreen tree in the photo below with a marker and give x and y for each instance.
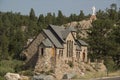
(60, 18)
(54, 19)
(48, 18)
(41, 22)
(32, 14)
(101, 15)
(98, 38)
(73, 17)
(81, 16)
(112, 12)
(119, 14)
(4, 42)
(32, 26)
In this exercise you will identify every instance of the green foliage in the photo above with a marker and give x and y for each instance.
(110, 64)
(3, 70)
(60, 18)
(81, 16)
(4, 47)
(32, 14)
(41, 22)
(101, 15)
(104, 37)
(9, 66)
(73, 17)
(2, 78)
(27, 73)
(99, 42)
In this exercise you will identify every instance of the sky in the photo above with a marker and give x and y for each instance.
(44, 6)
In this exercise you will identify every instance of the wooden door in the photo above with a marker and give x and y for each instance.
(53, 52)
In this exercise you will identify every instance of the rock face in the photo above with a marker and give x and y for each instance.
(12, 76)
(69, 75)
(100, 67)
(15, 76)
(82, 26)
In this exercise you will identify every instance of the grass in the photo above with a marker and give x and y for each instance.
(92, 75)
(9, 66)
(116, 73)
(89, 75)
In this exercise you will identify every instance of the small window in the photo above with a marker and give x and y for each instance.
(42, 51)
(60, 53)
(78, 54)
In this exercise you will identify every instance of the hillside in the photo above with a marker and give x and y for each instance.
(82, 27)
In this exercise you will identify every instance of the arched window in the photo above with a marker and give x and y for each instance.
(60, 53)
(69, 48)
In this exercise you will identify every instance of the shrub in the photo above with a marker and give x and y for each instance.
(110, 65)
(27, 73)
(2, 78)
(4, 70)
(8, 66)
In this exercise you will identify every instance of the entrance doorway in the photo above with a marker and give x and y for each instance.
(83, 56)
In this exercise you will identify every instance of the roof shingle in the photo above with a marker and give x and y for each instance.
(47, 42)
(83, 43)
(53, 39)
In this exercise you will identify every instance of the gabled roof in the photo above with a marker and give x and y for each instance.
(52, 38)
(71, 29)
(47, 43)
(81, 42)
(58, 30)
(78, 47)
(62, 32)
(65, 33)
(56, 34)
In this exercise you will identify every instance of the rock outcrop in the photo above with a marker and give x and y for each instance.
(15, 76)
(82, 26)
(12, 76)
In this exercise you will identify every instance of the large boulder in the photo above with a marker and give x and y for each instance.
(12, 76)
(69, 75)
(43, 77)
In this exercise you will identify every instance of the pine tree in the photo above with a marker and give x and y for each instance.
(32, 14)
(60, 18)
(81, 16)
(98, 38)
(4, 42)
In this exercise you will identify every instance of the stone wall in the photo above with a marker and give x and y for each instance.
(31, 51)
(70, 37)
(45, 62)
(83, 53)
